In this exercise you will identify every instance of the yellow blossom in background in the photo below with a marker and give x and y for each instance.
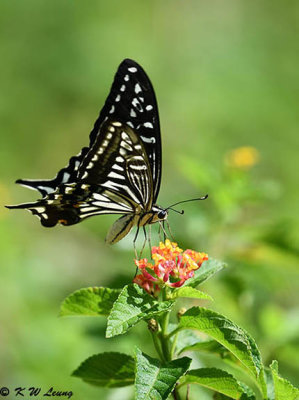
(243, 157)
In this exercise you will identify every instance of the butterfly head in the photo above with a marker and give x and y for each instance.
(159, 214)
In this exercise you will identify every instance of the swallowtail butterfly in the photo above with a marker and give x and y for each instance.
(119, 172)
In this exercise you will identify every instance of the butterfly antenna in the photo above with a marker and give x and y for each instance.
(185, 201)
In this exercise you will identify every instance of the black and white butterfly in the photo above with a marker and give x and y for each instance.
(119, 172)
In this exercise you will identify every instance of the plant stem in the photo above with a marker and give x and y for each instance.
(157, 345)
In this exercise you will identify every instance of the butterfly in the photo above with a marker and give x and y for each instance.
(119, 172)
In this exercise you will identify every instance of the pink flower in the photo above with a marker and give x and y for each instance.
(172, 267)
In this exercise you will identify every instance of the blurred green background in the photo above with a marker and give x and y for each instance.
(227, 79)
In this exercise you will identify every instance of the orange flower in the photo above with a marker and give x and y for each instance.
(172, 267)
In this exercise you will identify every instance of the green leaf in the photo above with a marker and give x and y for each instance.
(270, 384)
(283, 388)
(92, 301)
(133, 305)
(218, 381)
(209, 346)
(107, 369)
(223, 331)
(206, 271)
(188, 291)
(155, 380)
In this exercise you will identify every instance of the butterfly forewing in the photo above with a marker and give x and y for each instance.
(132, 101)
(118, 161)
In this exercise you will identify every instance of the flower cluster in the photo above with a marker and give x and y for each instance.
(172, 267)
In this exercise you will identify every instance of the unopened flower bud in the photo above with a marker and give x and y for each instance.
(152, 325)
(181, 312)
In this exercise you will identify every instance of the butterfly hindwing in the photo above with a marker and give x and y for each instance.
(113, 178)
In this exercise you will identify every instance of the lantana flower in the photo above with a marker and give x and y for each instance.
(171, 267)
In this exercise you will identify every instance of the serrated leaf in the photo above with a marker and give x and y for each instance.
(209, 346)
(108, 370)
(190, 292)
(270, 384)
(283, 388)
(223, 331)
(133, 305)
(92, 301)
(156, 380)
(206, 271)
(218, 381)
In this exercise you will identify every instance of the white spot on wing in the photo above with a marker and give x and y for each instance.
(112, 110)
(130, 124)
(125, 136)
(137, 88)
(148, 125)
(117, 98)
(149, 107)
(127, 78)
(66, 176)
(119, 159)
(132, 113)
(115, 175)
(148, 140)
(118, 167)
(132, 69)
(123, 88)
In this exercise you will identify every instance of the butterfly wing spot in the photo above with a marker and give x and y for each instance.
(115, 175)
(130, 124)
(149, 107)
(100, 151)
(132, 113)
(120, 159)
(65, 177)
(138, 167)
(95, 158)
(85, 175)
(137, 105)
(126, 78)
(137, 147)
(117, 98)
(117, 123)
(90, 165)
(149, 140)
(123, 88)
(137, 88)
(122, 151)
(148, 125)
(118, 167)
(132, 69)
(112, 110)
(125, 136)
(126, 145)
(109, 136)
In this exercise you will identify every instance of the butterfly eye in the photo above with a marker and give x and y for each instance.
(162, 214)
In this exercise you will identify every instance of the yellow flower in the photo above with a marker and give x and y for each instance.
(243, 157)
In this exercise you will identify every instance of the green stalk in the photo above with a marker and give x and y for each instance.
(164, 340)
(157, 346)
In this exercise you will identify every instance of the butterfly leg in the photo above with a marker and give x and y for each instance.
(134, 242)
(169, 230)
(150, 239)
(145, 240)
(162, 226)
